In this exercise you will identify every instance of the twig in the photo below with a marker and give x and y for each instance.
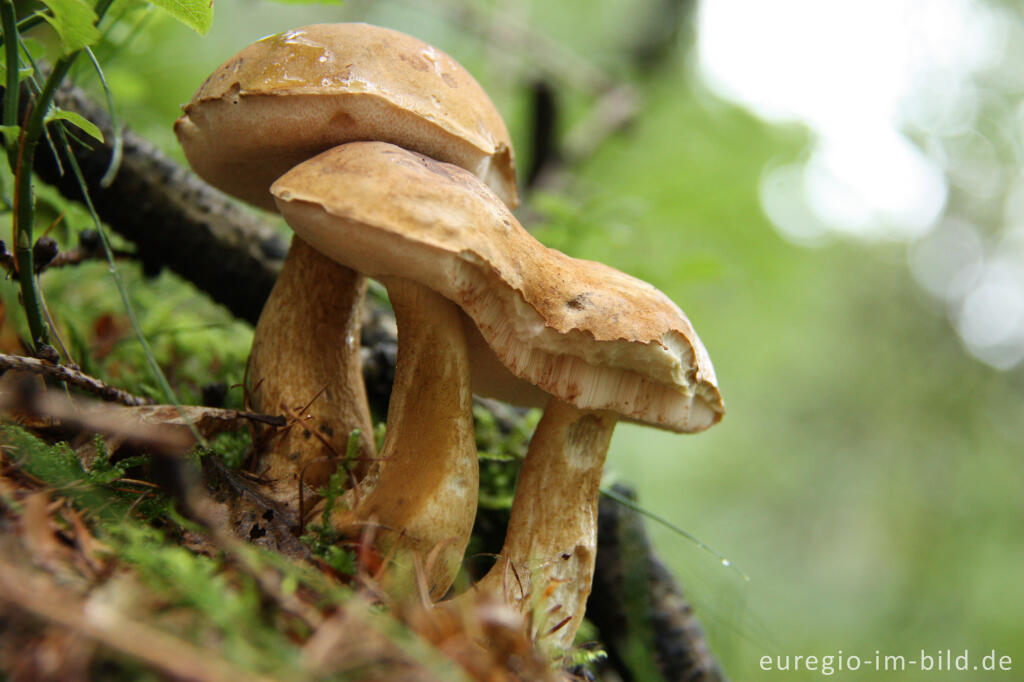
(80, 255)
(72, 376)
(34, 594)
(167, 429)
(614, 111)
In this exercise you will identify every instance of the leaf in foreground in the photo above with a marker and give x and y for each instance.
(196, 14)
(73, 21)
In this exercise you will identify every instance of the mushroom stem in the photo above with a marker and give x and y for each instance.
(305, 363)
(422, 496)
(547, 561)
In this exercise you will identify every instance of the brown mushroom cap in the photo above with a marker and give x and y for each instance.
(581, 331)
(290, 96)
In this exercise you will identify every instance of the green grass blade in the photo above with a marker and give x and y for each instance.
(154, 368)
(115, 123)
(630, 504)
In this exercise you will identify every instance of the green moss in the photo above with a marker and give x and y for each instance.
(213, 603)
(232, 447)
(322, 538)
(91, 489)
(585, 650)
(502, 437)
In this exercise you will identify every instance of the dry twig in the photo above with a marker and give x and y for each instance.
(71, 376)
(169, 429)
(35, 594)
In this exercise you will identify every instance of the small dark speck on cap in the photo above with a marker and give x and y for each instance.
(578, 302)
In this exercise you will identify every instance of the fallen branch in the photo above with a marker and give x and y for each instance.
(168, 429)
(71, 376)
(638, 606)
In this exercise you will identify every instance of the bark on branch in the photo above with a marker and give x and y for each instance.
(636, 600)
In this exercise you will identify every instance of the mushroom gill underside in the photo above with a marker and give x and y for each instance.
(549, 318)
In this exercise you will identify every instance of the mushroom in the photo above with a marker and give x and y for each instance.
(421, 500)
(276, 103)
(599, 343)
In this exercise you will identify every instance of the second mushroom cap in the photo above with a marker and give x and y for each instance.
(582, 331)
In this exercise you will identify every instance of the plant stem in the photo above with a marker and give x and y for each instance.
(24, 201)
(23, 25)
(10, 27)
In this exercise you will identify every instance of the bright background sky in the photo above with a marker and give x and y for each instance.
(859, 75)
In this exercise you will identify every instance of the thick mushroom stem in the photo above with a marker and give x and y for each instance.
(305, 364)
(547, 561)
(422, 496)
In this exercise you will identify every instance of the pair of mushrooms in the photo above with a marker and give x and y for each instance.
(388, 160)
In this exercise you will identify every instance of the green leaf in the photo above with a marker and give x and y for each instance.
(10, 134)
(73, 21)
(78, 121)
(197, 14)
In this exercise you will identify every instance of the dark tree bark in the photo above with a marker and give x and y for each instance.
(638, 606)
